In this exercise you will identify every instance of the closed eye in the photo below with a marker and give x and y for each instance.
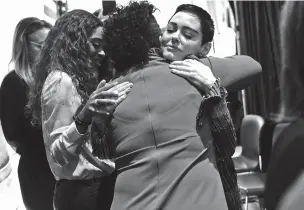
(96, 44)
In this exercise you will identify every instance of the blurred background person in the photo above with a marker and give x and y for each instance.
(285, 179)
(35, 177)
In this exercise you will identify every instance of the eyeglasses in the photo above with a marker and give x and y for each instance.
(36, 44)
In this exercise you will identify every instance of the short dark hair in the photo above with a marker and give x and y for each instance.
(206, 21)
(128, 34)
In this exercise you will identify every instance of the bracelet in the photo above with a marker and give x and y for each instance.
(78, 121)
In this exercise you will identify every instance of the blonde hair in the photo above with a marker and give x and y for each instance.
(292, 70)
(20, 50)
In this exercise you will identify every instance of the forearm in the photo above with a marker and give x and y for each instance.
(65, 145)
(220, 121)
(236, 72)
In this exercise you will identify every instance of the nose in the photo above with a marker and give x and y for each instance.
(175, 38)
(102, 53)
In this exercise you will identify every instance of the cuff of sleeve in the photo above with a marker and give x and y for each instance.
(216, 93)
(74, 138)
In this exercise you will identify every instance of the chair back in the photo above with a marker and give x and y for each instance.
(250, 136)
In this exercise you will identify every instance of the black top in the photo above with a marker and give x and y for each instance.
(16, 127)
(286, 163)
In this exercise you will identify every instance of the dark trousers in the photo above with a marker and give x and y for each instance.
(37, 183)
(94, 194)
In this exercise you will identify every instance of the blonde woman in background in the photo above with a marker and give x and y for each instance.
(35, 177)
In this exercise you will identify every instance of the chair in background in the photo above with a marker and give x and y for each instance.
(249, 138)
(251, 179)
(252, 184)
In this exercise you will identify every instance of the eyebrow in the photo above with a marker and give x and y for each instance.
(192, 30)
(185, 27)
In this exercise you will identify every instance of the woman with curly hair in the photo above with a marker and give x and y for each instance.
(65, 99)
(35, 177)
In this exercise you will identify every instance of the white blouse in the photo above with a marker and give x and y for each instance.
(68, 152)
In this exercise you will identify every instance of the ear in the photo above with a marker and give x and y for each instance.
(205, 49)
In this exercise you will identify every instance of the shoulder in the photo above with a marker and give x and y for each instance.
(291, 136)
(60, 84)
(288, 149)
(59, 77)
(11, 79)
(293, 197)
(287, 156)
(58, 81)
(12, 85)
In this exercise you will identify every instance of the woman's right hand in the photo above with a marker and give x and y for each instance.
(104, 100)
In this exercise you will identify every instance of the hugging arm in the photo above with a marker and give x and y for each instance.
(236, 72)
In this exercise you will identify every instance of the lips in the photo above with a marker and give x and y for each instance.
(169, 47)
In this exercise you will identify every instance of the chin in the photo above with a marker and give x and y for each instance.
(169, 56)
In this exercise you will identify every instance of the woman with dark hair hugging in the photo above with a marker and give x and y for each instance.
(189, 33)
(65, 98)
(162, 133)
(128, 40)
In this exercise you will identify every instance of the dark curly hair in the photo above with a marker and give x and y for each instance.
(65, 49)
(129, 36)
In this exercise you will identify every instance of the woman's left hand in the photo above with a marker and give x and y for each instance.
(195, 72)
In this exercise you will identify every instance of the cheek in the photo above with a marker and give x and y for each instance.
(191, 47)
(33, 54)
(164, 39)
(92, 50)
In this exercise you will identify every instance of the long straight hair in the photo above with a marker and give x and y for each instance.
(20, 50)
(292, 72)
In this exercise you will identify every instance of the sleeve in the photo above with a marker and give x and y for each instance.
(214, 107)
(102, 143)
(222, 129)
(11, 109)
(236, 72)
(59, 103)
(293, 197)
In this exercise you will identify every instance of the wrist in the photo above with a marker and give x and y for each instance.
(85, 117)
(214, 90)
(81, 126)
(208, 85)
